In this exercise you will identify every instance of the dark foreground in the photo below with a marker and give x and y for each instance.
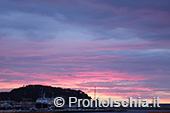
(125, 111)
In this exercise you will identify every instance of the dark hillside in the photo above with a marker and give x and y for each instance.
(32, 92)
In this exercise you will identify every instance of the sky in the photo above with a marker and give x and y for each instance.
(120, 46)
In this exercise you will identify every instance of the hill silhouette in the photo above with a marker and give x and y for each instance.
(32, 92)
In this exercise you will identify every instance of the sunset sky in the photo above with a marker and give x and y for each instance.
(120, 46)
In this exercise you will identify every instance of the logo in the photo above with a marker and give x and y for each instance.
(59, 102)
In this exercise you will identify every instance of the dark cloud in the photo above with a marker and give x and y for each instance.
(39, 20)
